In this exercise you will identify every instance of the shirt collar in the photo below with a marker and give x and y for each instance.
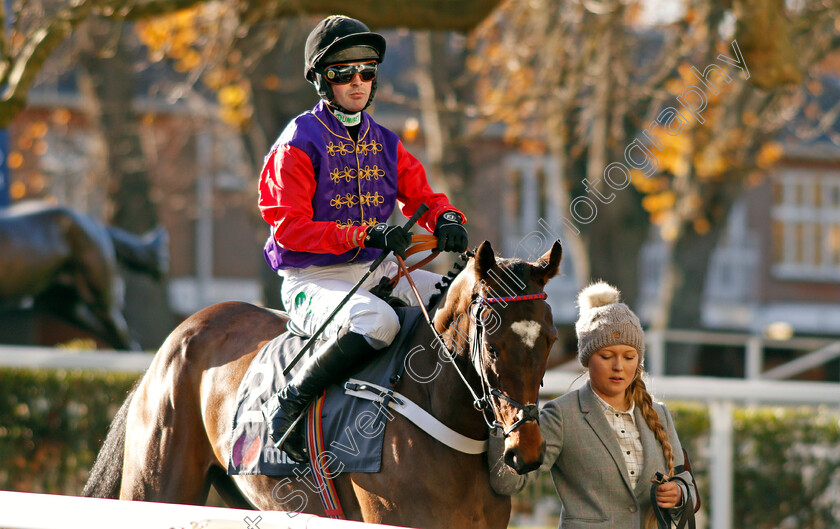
(609, 408)
(331, 122)
(349, 120)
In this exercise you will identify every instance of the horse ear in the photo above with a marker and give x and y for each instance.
(549, 264)
(485, 259)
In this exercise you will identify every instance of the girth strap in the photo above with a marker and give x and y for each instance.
(318, 461)
(414, 413)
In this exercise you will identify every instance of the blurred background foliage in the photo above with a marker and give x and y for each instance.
(52, 425)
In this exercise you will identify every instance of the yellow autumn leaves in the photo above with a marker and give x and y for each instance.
(173, 37)
(188, 38)
(703, 153)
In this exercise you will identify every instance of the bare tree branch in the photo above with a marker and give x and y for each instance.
(18, 72)
(34, 52)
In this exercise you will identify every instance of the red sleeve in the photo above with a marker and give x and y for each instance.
(287, 185)
(413, 189)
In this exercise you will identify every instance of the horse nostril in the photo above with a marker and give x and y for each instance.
(513, 459)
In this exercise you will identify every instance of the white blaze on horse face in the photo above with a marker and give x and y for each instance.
(528, 331)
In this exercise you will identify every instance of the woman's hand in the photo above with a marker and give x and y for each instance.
(668, 495)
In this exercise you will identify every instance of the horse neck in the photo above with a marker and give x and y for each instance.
(446, 396)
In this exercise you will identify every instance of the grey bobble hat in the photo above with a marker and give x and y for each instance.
(605, 321)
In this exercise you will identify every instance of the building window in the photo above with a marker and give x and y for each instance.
(527, 199)
(542, 193)
(806, 225)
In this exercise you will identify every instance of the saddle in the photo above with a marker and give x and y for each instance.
(353, 428)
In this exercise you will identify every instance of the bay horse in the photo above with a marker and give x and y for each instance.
(66, 262)
(171, 439)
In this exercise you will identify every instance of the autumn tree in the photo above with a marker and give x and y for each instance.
(38, 27)
(587, 79)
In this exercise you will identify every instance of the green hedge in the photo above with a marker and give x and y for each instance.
(787, 467)
(52, 424)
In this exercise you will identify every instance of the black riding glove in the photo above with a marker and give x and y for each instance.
(395, 238)
(451, 234)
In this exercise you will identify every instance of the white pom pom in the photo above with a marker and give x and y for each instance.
(597, 295)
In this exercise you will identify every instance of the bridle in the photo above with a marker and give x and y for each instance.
(527, 412)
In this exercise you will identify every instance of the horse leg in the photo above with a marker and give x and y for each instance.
(167, 454)
(100, 310)
(94, 275)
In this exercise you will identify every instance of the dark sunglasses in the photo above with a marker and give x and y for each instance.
(344, 73)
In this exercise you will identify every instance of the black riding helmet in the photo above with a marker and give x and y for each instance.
(339, 39)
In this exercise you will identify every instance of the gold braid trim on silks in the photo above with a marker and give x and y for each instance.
(348, 174)
(349, 200)
(368, 172)
(372, 200)
(351, 238)
(341, 148)
(364, 147)
(350, 223)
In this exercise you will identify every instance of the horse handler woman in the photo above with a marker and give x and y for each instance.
(605, 441)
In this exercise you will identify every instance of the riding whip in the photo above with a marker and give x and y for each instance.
(374, 265)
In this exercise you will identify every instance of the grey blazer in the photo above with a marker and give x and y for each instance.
(587, 466)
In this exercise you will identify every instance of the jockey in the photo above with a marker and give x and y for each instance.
(328, 187)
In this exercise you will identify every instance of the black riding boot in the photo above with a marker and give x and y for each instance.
(331, 362)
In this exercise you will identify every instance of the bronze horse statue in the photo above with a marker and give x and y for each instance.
(66, 262)
(171, 439)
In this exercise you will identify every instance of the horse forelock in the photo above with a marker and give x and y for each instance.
(513, 277)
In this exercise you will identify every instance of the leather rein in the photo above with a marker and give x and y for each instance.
(483, 404)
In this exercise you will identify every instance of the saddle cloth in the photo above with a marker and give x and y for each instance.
(353, 428)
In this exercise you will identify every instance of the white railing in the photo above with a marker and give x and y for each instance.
(21, 510)
(820, 351)
(28, 357)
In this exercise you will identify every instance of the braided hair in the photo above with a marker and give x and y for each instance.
(638, 393)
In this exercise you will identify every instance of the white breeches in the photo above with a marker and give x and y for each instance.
(311, 294)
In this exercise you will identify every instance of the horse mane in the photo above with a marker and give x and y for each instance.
(446, 280)
(515, 268)
(514, 265)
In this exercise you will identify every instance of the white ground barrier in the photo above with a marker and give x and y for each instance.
(22, 510)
